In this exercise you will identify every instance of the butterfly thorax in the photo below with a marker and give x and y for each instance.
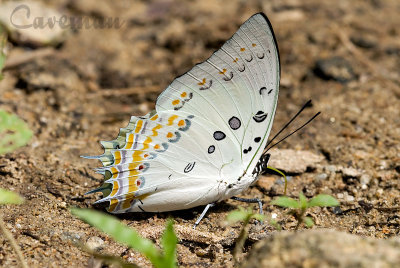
(246, 179)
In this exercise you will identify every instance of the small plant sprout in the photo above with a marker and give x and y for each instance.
(125, 235)
(14, 132)
(244, 215)
(299, 207)
(8, 197)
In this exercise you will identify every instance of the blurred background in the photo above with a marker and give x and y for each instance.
(76, 84)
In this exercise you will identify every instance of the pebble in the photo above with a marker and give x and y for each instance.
(94, 243)
(39, 36)
(349, 198)
(335, 68)
(294, 161)
(62, 205)
(351, 173)
(379, 192)
(365, 179)
(340, 196)
(364, 187)
(322, 176)
(331, 168)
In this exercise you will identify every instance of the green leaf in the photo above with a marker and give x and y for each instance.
(323, 200)
(257, 216)
(8, 197)
(303, 201)
(238, 215)
(275, 224)
(14, 132)
(308, 222)
(168, 242)
(120, 232)
(287, 202)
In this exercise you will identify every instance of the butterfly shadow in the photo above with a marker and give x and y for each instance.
(190, 214)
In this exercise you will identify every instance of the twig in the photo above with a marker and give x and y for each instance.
(17, 60)
(13, 243)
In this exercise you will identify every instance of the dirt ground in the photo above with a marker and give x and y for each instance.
(344, 55)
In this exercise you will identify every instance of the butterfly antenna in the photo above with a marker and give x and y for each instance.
(287, 136)
(308, 104)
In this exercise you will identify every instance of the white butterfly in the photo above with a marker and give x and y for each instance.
(203, 142)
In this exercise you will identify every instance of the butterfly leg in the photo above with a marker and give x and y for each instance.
(250, 200)
(202, 215)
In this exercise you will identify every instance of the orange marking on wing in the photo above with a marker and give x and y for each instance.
(146, 143)
(242, 49)
(146, 155)
(115, 188)
(169, 135)
(171, 120)
(130, 141)
(137, 156)
(155, 133)
(132, 169)
(181, 123)
(235, 60)
(157, 146)
(139, 125)
(113, 205)
(202, 83)
(132, 185)
(253, 45)
(117, 157)
(127, 202)
(223, 71)
(183, 94)
(143, 196)
(114, 171)
(175, 102)
(154, 117)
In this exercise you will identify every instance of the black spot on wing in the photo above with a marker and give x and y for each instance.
(257, 139)
(234, 123)
(219, 135)
(211, 149)
(248, 150)
(260, 116)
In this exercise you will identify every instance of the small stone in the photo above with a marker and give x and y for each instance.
(266, 182)
(351, 173)
(349, 198)
(363, 41)
(364, 187)
(365, 179)
(335, 68)
(379, 192)
(331, 168)
(22, 29)
(94, 243)
(340, 196)
(322, 176)
(294, 161)
(62, 205)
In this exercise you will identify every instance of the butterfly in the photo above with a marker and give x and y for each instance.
(204, 141)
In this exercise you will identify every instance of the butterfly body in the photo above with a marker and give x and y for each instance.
(203, 142)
